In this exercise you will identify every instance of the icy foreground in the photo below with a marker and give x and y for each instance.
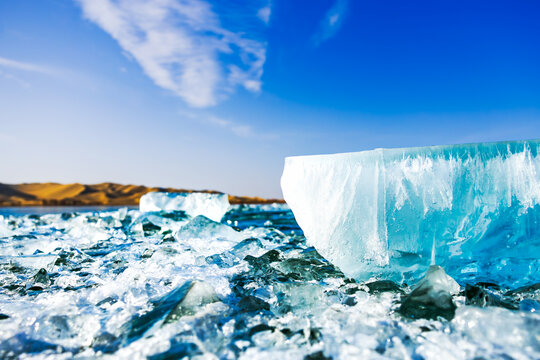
(474, 208)
(155, 285)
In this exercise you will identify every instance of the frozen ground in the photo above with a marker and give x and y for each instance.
(164, 285)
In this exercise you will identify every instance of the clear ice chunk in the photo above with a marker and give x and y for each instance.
(200, 294)
(208, 237)
(183, 301)
(432, 296)
(34, 262)
(213, 206)
(474, 208)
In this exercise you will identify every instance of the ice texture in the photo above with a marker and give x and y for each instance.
(164, 285)
(213, 206)
(474, 208)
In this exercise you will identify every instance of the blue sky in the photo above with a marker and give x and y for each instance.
(214, 94)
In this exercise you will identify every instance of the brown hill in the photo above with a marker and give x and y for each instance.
(53, 194)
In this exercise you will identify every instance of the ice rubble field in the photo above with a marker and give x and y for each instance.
(167, 284)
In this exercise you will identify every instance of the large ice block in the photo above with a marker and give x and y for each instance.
(213, 206)
(474, 208)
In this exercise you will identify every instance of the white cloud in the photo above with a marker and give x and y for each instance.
(331, 23)
(218, 121)
(181, 46)
(24, 66)
(264, 14)
(238, 129)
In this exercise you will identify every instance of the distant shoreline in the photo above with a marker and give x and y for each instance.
(103, 194)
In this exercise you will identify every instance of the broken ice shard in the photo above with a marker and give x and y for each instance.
(213, 206)
(474, 208)
(432, 296)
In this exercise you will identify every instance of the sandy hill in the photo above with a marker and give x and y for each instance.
(49, 194)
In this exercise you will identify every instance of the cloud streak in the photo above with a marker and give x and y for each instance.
(238, 129)
(12, 77)
(10, 69)
(24, 66)
(331, 23)
(182, 47)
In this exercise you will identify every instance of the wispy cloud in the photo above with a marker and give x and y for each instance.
(264, 14)
(238, 129)
(24, 66)
(332, 22)
(10, 69)
(182, 46)
(12, 77)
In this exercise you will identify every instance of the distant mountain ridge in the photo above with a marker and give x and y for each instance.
(54, 194)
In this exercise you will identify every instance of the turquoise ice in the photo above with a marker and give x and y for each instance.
(474, 209)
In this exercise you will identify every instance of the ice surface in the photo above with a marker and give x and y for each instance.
(213, 206)
(164, 285)
(383, 213)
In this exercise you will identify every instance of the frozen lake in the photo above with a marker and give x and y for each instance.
(118, 283)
